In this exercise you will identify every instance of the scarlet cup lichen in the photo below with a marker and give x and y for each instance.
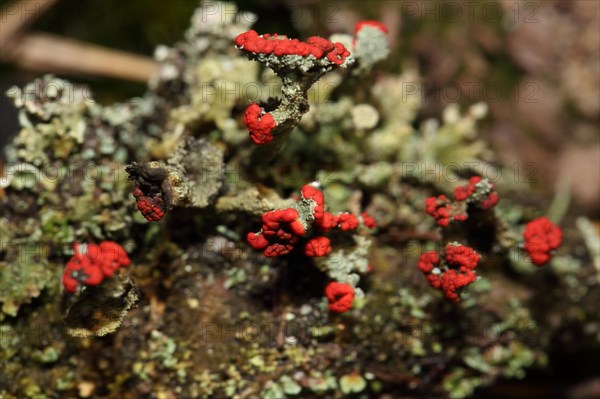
(259, 123)
(310, 192)
(318, 246)
(92, 263)
(114, 257)
(368, 221)
(478, 191)
(279, 46)
(461, 256)
(327, 222)
(370, 23)
(370, 45)
(541, 237)
(152, 208)
(461, 193)
(340, 296)
(437, 207)
(347, 221)
(279, 234)
(299, 65)
(428, 260)
(456, 273)
(83, 268)
(284, 229)
(443, 211)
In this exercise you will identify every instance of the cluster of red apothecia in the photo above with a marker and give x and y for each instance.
(452, 272)
(284, 229)
(478, 192)
(92, 263)
(260, 123)
(540, 237)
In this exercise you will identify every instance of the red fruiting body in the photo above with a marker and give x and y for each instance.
(153, 209)
(461, 193)
(328, 222)
(473, 180)
(339, 55)
(443, 211)
(278, 249)
(460, 217)
(368, 221)
(92, 263)
(259, 123)
(452, 280)
(340, 296)
(463, 261)
(246, 40)
(347, 221)
(375, 24)
(434, 280)
(428, 260)
(464, 193)
(257, 240)
(313, 193)
(87, 252)
(322, 44)
(281, 230)
(438, 208)
(275, 221)
(279, 46)
(318, 246)
(541, 237)
(114, 256)
(490, 202)
(461, 256)
(84, 267)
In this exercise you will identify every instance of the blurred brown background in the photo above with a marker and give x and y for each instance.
(536, 63)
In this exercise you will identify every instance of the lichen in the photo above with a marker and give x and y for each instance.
(199, 313)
